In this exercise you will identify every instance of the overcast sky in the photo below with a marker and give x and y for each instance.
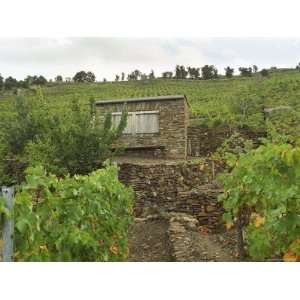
(106, 57)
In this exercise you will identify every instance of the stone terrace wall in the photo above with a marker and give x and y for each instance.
(203, 141)
(177, 186)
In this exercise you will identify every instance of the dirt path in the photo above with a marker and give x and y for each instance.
(148, 241)
(210, 248)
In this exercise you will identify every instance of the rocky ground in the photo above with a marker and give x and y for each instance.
(178, 237)
(148, 241)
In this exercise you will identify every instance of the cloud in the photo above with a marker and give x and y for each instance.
(109, 56)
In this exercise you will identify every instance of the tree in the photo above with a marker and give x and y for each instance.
(264, 72)
(83, 76)
(1, 82)
(58, 78)
(135, 75)
(209, 72)
(123, 76)
(194, 73)
(180, 72)
(58, 149)
(255, 68)
(117, 78)
(104, 80)
(229, 72)
(40, 80)
(80, 76)
(90, 77)
(23, 84)
(10, 83)
(29, 80)
(245, 72)
(177, 72)
(35, 134)
(35, 80)
(144, 76)
(167, 74)
(151, 75)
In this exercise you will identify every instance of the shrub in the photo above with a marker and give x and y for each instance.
(70, 139)
(25, 121)
(229, 72)
(80, 218)
(264, 72)
(246, 107)
(75, 143)
(246, 72)
(266, 183)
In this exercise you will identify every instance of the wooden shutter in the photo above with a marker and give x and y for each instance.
(147, 122)
(138, 122)
(116, 119)
(130, 128)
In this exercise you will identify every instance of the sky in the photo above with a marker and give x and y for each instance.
(106, 57)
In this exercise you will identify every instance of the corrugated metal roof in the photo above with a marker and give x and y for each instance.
(144, 99)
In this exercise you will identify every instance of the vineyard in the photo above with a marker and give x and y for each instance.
(212, 102)
(70, 204)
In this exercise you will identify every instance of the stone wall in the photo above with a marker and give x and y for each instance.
(175, 186)
(203, 141)
(170, 142)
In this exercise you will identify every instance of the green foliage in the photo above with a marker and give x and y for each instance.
(194, 73)
(35, 80)
(247, 106)
(58, 78)
(71, 139)
(210, 101)
(83, 76)
(18, 127)
(246, 72)
(3, 209)
(232, 147)
(286, 123)
(10, 83)
(180, 72)
(80, 218)
(209, 72)
(264, 72)
(1, 83)
(229, 72)
(266, 182)
(75, 143)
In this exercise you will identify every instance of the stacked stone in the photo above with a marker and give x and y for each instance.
(203, 204)
(180, 241)
(203, 141)
(180, 187)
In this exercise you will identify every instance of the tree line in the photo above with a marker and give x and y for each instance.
(181, 72)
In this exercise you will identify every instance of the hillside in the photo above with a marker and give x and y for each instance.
(236, 102)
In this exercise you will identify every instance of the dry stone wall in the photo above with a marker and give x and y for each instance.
(178, 186)
(202, 141)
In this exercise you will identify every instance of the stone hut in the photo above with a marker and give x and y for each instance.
(156, 126)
